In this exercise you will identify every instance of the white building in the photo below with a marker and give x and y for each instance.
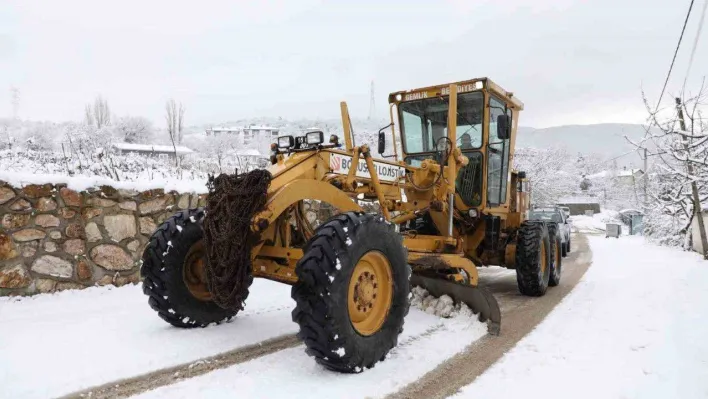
(216, 131)
(246, 135)
(263, 132)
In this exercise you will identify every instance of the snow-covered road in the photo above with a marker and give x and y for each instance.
(634, 327)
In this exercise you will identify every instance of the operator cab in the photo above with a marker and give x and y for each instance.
(423, 121)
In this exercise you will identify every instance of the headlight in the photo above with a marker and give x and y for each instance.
(314, 138)
(286, 141)
(472, 213)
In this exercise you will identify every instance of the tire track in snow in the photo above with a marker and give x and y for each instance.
(427, 342)
(135, 385)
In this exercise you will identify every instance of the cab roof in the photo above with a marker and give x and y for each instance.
(462, 87)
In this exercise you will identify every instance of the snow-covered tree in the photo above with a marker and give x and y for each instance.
(550, 171)
(679, 146)
(133, 129)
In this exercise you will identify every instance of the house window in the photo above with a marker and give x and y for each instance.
(163, 157)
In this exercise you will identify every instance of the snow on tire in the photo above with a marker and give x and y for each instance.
(533, 258)
(352, 293)
(164, 270)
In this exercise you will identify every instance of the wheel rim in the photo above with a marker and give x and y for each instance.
(194, 272)
(370, 293)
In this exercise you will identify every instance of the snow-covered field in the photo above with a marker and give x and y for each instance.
(634, 327)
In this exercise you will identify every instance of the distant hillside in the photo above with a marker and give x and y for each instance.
(606, 139)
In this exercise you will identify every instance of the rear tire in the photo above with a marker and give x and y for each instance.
(558, 252)
(163, 270)
(338, 336)
(533, 268)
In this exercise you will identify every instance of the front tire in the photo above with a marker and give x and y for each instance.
(533, 267)
(173, 273)
(352, 292)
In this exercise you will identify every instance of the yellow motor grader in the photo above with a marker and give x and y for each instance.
(448, 202)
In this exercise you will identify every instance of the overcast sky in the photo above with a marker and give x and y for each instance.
(568, 61)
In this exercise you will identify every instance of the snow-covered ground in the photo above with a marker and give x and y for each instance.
(55, 344)
(634, 327)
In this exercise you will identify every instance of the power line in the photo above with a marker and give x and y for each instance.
(688, 14)
(695, 44)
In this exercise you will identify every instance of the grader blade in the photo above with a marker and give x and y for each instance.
(479, 299)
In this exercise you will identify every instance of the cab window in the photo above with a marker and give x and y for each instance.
(497, 156)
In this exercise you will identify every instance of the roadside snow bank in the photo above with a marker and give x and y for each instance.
(635, 326)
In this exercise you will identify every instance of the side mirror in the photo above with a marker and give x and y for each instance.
(382, 142)
(503, 127)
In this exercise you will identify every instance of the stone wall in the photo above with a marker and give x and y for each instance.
(53, 238)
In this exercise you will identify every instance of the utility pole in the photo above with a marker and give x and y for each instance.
(697, 211)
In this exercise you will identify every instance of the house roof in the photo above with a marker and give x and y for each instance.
(578, 199)
(629, 172)
(164, 149)
(620, 173)
(248, 152)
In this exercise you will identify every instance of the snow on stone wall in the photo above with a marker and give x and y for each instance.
(54, 238)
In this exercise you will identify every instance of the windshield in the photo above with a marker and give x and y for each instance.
(424, 122)
(552, 216)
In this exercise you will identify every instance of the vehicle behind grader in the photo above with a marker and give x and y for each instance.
(447, 204)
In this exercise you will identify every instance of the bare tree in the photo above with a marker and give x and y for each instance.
(98, 113)
(680, 143)
(180, 124)
(88, 115)
(174, 117)
(15, 101)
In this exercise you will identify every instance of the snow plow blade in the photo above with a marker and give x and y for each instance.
(478, 299)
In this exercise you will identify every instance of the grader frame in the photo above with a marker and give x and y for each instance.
(309, 175)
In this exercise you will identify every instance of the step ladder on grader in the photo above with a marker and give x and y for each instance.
(448, 203)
